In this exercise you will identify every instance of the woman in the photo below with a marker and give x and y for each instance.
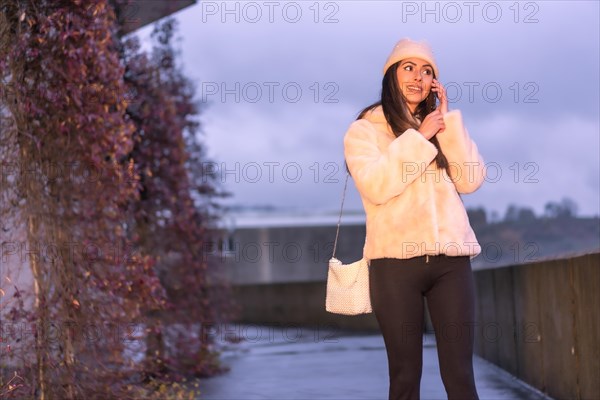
(409, 161)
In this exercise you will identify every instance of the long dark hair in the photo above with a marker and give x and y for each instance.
(398, 114)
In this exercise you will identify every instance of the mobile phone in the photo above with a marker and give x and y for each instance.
(435, 102)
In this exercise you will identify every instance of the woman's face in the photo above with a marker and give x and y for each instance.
(415, 76)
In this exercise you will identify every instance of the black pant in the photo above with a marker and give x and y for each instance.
(397, 288)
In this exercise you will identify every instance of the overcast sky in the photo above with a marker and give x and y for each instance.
(282, 81)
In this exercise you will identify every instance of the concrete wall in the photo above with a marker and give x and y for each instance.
(295, 303)
(16, 276)
(284, 254)
(538, 321)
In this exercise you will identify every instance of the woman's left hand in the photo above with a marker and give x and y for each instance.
(441, 93)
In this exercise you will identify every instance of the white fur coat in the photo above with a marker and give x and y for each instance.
(412, 207)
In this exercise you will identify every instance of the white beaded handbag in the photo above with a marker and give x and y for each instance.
(347, 284)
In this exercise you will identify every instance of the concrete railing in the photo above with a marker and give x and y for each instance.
(538, 321)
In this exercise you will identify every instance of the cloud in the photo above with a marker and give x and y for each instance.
(530, 161)
(525, 79)
(537, 160)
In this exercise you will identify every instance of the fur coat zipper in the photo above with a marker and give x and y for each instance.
(412, 207)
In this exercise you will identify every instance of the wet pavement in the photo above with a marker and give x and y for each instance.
(301, 363)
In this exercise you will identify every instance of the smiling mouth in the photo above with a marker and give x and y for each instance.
(413, 88)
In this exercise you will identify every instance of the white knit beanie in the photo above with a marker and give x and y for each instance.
(407, 48)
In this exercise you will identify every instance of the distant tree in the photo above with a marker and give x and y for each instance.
(515, 213)
(552, 209)
(569, 207)
(526, 214)
(494, 217)
(477, 216)
(566, 208)
(512, 213)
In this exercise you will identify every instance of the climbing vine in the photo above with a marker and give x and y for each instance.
(98, 188)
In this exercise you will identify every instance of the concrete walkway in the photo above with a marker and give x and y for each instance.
(300, 363)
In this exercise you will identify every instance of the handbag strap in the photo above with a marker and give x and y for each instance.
(340, 218)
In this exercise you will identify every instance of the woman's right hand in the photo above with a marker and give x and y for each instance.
(432, 124)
